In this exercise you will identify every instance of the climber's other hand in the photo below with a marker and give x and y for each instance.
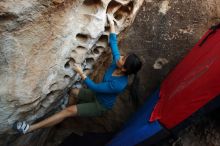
(77, 68)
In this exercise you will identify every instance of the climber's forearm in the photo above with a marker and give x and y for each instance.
(112, 27)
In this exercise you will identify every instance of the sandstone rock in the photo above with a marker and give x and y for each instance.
(162, 34)
(39, 39)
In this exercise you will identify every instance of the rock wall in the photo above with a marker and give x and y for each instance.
(39, 39)
(164, 32)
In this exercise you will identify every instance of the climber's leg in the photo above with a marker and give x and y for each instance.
(55, 119)
(73, 94)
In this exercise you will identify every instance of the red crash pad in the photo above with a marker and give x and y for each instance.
(192, 84)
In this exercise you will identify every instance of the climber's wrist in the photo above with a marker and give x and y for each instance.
(112, 28)
(83, 76)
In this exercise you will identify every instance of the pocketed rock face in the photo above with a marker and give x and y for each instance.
(162, 34)
(40, 39)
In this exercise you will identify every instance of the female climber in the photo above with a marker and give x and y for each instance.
(99, 97)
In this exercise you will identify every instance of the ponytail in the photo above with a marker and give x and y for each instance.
(132, 65)
(134, 91)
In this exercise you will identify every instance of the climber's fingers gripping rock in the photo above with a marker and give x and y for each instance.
(77, 68)
(111, 23)
(110, 19)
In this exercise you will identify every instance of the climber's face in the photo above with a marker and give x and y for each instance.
(121, 61)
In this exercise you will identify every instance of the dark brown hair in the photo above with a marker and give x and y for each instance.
(132, 65)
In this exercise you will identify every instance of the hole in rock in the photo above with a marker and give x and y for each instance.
(90, 6)
(81, 50)
(123, 11)
(128, 8)
(92, 2)
(103, 40)
(98, 50)
(71, 61)
(67, 79)
(112, 5)
(107, 28)
(74, 51)
(118, 15)
(90, 60)
(160, 62)
(7, 16)
(82, 37)
(67, 65)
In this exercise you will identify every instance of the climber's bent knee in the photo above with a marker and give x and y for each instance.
(74, 92)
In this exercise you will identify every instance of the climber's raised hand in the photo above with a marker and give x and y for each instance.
(111, 23)
(110, 19)
(79, 70)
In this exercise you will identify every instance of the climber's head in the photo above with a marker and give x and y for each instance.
(130, 64)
